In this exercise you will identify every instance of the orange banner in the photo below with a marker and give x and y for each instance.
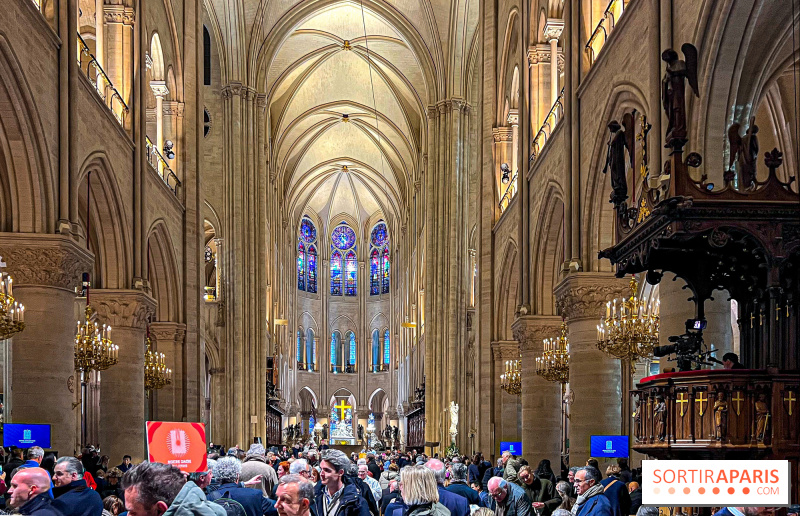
(182, 445)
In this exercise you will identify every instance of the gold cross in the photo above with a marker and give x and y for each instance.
(701, 400)
(738, 399)
(791, 399)
(681, 400)
(752, 318)
(342, 406)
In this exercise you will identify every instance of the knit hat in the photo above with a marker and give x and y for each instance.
(256, 449)
(233, 452)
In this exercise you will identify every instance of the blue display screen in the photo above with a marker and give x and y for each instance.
(24, 435)
(609, 446)
(515, 447)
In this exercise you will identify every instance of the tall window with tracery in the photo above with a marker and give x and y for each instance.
(376, 350)
(386, 348)
(307, 256)
(336, 274)
(301, 266)
(374, 273)
(351, 269)
(311, 351)
(343, 243)
(300, 346)
(385, 279)
(352, 351)
(379, 260)
(336, 356)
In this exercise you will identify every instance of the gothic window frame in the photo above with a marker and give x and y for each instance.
(301, 266)
(310, 351)
(307, 276)
(379, 242)
(351, 351)
(343, 246)
(376, 350)
(300, 352)
(336, 273)
(351, 273)
(336, 362)
(386, 348)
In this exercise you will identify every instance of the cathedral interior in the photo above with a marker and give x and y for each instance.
(304, 213)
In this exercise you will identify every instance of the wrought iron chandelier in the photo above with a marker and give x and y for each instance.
(93, 347)
(156, 373)
(511, 380)
(553, 364)
(12, 313)
(630, 328)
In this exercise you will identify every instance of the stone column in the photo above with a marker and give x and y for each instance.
(541, 399)
(160, 91)
(168, 338)
(552, 31)
(594, 377)
(118, 58)
(122, 406)
(45, 270)
(507, 409)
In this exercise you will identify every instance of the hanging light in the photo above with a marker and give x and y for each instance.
(506, 173)
(511, 379)
(156, 373)
(630, 328)
(553, 364)
(12, 313)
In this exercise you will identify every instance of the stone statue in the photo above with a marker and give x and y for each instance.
(744, 151)
(762, 418)
(637, 421)
(660, 418)
(673, 92)
(360, 432)
(721, 417)
(618, 142)
(395, 434)
(325, 431)
(453, 420)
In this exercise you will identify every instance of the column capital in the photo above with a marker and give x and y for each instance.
(530, 330)
(159, 88)
(583, 295)
(539, 53)
(173, 107)
(166, 332)
(123, 308)
(502, 134)
(503, 350)
(119, 14)
(44, 260)
(553, 29)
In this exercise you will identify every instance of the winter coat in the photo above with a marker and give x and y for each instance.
(77, 499)
(431, 509)
(597, 505)
(350, 502)
(255, 465)
(462, 489)
(510, 472)
(456, 504)
(41, 505)
(542, 490)
(617, 494)
(387, 476)
(516, 502)
(192, 502)
(254, 503)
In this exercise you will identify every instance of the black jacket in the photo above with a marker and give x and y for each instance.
(489, 473)
(350, 501)
(365, 492)
(41, 505)
(618, 495)
(77, 499)
(9, 468)
(389, 498)
(460, 488)
(253, 501)
(374, 469)
(636, 500)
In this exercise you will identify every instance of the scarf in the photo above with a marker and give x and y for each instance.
(592, 491)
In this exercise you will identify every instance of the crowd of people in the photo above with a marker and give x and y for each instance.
(291, 482)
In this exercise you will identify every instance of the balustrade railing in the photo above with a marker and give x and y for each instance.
(160, 165)
(101, 82)
(306, 366)
(511, 191)
(378, 368)
(604, 27)
(550, 122)
(347, 369)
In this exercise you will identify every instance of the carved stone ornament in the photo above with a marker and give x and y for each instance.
(45, 260)
(168, 332)
(123, 308)
(119, 14)
(584, 295)
(174, 108)
(531, 330)
(502, 134)
(505, 350)
(71, 384)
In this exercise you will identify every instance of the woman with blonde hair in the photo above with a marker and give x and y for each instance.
(419, 492)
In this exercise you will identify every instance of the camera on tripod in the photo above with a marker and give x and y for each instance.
(688, 348)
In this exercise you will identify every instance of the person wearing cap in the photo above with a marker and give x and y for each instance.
(255, 464)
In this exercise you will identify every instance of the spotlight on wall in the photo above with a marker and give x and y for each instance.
(168, 152)
(506, 173)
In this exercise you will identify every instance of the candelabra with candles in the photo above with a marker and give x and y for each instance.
(511, 379)
(156, 373)
(93, 347)
(553, 364)
(630, 328)
(12, 313)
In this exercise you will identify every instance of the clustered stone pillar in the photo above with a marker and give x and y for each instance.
(507, 411)
(594, 377)
(552, 31)
(45, 269)
(122, 394)
(541, 399)
(169, 338)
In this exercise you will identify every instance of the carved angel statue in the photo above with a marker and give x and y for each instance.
(744, 151)
(622, 138)
(673, 92)
(453, 419)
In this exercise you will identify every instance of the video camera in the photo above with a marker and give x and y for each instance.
(687, 348)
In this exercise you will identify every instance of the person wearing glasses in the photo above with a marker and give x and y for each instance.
(591, 501)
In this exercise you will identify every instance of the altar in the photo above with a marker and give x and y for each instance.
(341, 427)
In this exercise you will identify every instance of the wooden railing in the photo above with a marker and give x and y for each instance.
(509, 194)
(102, 84)
(604, 27)
(552, 119)
(160, 165)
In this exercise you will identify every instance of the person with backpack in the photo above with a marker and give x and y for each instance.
(227, 471)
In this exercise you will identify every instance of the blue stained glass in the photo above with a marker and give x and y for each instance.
(301, 270)
(374, 273)
(308, 231)
(385, 285)
(352, 349)
(311, 349)
(336, 274)
(343, 237)
(312, 270)
(299, 345)
(376, 348)
(379, 235)
(386, 347)
(351, 268)
(333, 349)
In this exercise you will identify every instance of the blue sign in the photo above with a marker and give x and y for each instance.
(24, 435)
(609, 446)
(515, 447)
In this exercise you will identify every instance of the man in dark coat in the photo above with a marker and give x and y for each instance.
(73, 496)
(540, 491)
(458, 484)
(390, 494)
(13, 463)
(336, 494)
(28, 493)
(228, 470)
(510, 498)
(636, 497)
(373, 466)
(616, 492)
(491, 472)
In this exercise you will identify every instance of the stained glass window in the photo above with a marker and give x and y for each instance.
(376, 348)
(308, 231)
(352, 348)
(334, 349)
(386, 347)
(343, 237)
(385, 282)
(374, 273)
(351, 268)
(311, 350)
(379, 235)
(301, 267)
(300, 345)
(311, 285)
(336, 274)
